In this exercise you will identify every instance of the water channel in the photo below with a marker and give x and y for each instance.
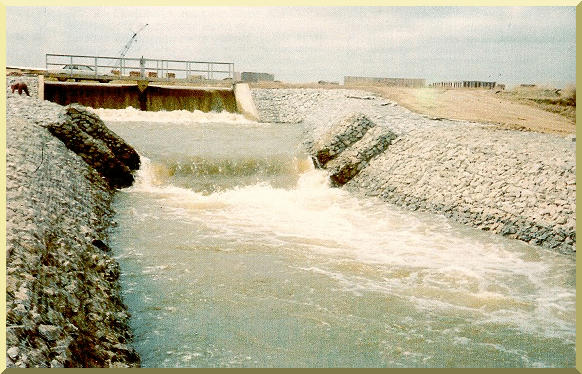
(235, 252)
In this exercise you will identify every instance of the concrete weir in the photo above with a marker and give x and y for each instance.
(147, 97)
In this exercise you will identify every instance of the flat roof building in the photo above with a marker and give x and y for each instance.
(247, 76)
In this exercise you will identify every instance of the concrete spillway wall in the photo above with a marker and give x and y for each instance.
(96, 96)
(244, 101)
(149, 98)
(206, 100)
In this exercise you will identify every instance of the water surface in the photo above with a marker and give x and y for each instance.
(236, 252)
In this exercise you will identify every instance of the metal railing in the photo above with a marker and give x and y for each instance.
(100, 66)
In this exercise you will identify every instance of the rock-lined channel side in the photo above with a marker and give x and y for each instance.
(520, 185)
(64, 306)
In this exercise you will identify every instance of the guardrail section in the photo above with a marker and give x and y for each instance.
(142, 68)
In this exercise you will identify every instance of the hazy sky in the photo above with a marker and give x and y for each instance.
(505, 44)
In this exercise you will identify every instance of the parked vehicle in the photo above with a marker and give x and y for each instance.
(76, 69)
(79, 68)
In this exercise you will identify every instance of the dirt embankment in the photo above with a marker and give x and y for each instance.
(536, 109)
(515, 109)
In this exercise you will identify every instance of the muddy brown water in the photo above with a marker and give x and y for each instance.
(235, 252)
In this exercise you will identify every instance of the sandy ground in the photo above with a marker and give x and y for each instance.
(509, 110)
(479, 106)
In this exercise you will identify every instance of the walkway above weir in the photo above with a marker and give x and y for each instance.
(105, 69)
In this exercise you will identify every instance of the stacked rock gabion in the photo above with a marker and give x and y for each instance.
(347, 147)
(85, 134)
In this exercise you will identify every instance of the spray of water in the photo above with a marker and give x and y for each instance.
(131, 114)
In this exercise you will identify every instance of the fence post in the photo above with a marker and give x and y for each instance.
(95, 66)
(142, 67)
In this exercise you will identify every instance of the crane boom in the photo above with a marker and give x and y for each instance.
(130, 42)
(128, 45)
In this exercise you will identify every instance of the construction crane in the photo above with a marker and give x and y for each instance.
(129, 44)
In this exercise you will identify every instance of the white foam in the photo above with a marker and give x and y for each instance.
(420, 258)
(362, 230)
(131, 114)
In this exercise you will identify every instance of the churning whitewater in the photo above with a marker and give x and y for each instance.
(236, 252)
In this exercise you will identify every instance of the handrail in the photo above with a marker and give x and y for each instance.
(120, 65)
(138, 58)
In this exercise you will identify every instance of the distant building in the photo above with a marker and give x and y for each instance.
(467, 84)
(479, 84)
(400, 82)
(327, 83)
(247, 76)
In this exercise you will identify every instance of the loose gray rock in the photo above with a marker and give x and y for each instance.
(13, 352)
(49, 332)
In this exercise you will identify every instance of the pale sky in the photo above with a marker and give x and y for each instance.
(509, 45)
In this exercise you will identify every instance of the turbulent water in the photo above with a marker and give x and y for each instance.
(236, 252)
